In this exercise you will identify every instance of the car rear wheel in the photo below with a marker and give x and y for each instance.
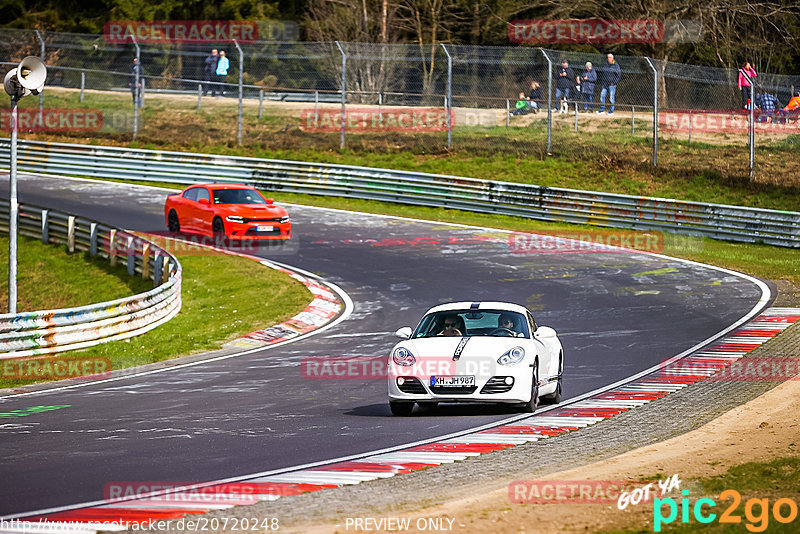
(531, 405)
(555, 397)
(403, 409)
(173, 223)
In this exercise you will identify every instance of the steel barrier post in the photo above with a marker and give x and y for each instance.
(655, 111)
(83, 84)
(45, 227)
(93, 239)
(344, 92)
(71, 233)
(131, 251)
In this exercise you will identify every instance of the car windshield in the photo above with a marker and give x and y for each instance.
(237, 196)
(496, 323)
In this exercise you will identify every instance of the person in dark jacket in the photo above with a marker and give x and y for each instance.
(134, 84)
(210, 73)
(587, 81)
(609, 78)
(565, 82)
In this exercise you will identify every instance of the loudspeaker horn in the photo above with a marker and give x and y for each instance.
(31, 74)
(12, 86)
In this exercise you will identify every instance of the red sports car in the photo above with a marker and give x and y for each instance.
(231, 210)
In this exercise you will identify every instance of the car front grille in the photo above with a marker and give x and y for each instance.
(496, 384)
(459, 390)
(413, 386)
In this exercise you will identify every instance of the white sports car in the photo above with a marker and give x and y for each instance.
(475, 352)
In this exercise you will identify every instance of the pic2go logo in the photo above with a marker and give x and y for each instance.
(756, 511)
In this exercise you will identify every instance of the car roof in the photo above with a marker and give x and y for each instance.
(482, 305)
(223, 185)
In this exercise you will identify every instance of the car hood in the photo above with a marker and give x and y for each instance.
(441, 346)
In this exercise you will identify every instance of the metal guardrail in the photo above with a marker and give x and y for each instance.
(733, 223)
(50, 331)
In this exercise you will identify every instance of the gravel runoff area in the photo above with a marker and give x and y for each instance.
(668, 417)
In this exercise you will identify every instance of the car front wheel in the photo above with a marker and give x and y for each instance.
(173, 223)
(531, 405)
(218, 228)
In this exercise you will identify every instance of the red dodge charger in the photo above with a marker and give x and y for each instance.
(231, 210)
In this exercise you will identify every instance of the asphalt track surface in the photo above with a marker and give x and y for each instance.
(616, 313)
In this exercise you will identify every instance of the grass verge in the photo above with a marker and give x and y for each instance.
(223, 296)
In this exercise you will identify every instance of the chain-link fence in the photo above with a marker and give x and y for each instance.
(418, 98)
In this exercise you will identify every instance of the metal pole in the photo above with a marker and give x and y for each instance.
(576, 116)
(690, 126)
(655, 111)
(83, 83)
(508, 113)
(449, 110)
(549, 101)
(380, 106)
(633, 120)
(136, 88)
(344, 92)
(316, 109)
(199, 96)
(241, 90)
(13, 209)
(260, 103)
(752, 130)
(41, 94)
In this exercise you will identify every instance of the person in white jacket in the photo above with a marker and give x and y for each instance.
(222, 70)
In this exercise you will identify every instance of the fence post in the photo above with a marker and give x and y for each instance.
(549, 101)
(380, 106)
(144, 90)
(146, 260)
(41, 93)
(157, 268)
(316, 109)
(344, 92)
(241, 90)
(135, 92)
(112, 248)
(260, 103)
(576, 116)
(83, 83)
(633, 120)
(655, 111)
(199, 96)
(508, 113)
(45, 227)
(449, 109)
(690, 126)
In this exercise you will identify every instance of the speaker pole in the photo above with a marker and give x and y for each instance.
(13, 209)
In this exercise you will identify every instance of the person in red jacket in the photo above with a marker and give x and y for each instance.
(744, 85)
(794, 103)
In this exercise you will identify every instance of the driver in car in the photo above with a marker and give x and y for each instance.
(451, 327)
(507, 323)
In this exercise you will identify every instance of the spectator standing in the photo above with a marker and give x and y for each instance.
(222, 71)
(210, 72)
(535, 97)
(609, 78)
(744, 85)
(564, 84)
(587, 81)
(134, 84)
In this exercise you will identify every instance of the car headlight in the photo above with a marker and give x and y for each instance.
(402, 356)
(511, 357)
(234, 219)
(284, 219)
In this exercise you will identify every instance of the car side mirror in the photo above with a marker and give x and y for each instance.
(203, 201)
(270, 202)
(545, 332)
(404, 333)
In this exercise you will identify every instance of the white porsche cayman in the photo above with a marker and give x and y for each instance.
(475, 352)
